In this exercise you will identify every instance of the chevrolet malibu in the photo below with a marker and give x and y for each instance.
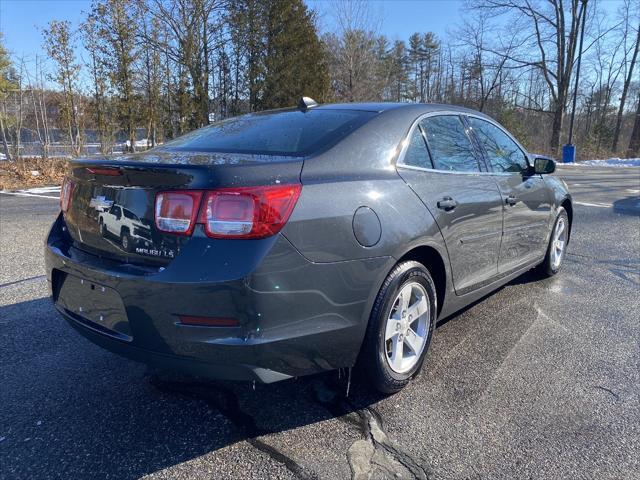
(296, 241)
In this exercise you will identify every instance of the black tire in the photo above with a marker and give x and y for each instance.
(125, 241)
(547, 267)
(373, 361)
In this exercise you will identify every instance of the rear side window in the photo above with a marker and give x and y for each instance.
(417, 154)
(290, 132)
(503, 154)
(449, 144)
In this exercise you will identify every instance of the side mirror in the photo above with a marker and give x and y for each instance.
(543, 165)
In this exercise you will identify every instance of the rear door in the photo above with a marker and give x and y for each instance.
(526, 201)
(442, 166)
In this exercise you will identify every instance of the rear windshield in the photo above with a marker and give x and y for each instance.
(293, 132)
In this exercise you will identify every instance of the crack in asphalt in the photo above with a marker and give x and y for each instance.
(572, 254)
(375, 449)
(229, 406)
(608, 390)
(30, 279)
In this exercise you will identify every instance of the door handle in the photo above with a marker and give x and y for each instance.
(511, 200)
(447, 204)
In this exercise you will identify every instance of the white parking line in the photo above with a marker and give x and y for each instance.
(55, 189)
(601, 205)
(21, 194)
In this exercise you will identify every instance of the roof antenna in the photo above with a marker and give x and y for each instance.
(306, 103)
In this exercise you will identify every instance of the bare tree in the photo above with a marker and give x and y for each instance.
(38, 109)
(7, 83)
(18, 110)
(96, 64)
(151, 75)
(119, 50)
(351, 51)
(634, 142)
(45, 137)
(549, 29)
(58, 42)
(190, 24)
(488, 65)
(627, 31)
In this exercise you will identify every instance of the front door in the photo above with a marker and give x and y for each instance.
(441, 165)
(526, 202)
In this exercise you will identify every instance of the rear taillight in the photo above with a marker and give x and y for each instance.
(65, 194)
(248, 212)
(177, 211)
(243, 212)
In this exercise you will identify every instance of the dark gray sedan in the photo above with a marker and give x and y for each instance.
(296, 241)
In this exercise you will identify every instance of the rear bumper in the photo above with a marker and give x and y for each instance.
(296, 317)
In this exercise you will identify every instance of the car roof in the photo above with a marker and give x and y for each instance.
(385, 106)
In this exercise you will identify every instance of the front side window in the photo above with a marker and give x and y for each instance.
(417, 154)
(449, 144)
(129, 214)
(503, 154)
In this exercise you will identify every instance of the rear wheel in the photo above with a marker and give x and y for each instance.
(400, 327)
(552, 262)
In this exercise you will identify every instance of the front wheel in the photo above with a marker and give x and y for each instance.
(400, 327)
(125, 241)
(557, 247)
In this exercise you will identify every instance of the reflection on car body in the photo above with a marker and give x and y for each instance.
(122, 224)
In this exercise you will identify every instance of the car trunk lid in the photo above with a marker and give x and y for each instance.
(112, 200)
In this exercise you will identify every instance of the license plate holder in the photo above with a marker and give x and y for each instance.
(97, 305)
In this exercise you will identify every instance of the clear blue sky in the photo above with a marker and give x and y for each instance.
(21, 21)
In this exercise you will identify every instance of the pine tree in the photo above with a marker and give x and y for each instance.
(400, 71)
(294, 62)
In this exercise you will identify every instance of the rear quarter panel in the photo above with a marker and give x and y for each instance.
(360, 172)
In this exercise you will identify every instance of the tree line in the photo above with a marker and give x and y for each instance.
(165, 67)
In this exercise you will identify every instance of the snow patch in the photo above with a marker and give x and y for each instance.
(611, 162)
(139, 143)
(39, 190)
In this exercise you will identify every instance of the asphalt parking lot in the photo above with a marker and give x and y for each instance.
(539, 380)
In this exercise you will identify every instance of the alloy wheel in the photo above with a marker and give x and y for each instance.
(558, 243)
(407, 327)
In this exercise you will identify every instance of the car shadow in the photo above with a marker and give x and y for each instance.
(72, 409)
(531, 276)
(627, 206)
